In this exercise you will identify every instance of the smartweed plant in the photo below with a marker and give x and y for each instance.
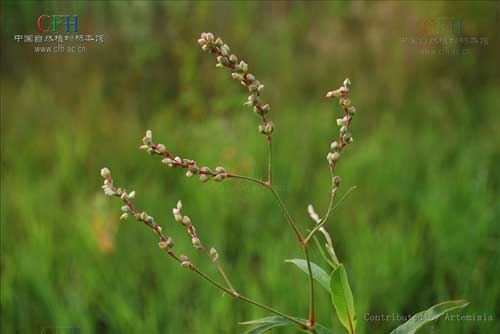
(333, 279)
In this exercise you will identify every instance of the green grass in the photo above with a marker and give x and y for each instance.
(421, 227)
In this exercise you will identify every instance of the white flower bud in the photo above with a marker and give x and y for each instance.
(179, 205)
(214, 254)
(178, 159)
(109, 192)
(189, 173)
(269, 128)
(340, 122)
(220, 169)
(204, 178)
(233, 59)
(186, 220)
(163, 245)
(183, 258)
(218, 177)
(132, 194)
(347, 82)
(125, 208)
(196, 242)
(124, 216)
(161, 148)
(105, 173)
(334, 145)
(186, 264)
(243, 66)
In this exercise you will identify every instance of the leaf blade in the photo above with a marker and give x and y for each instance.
(342, 298)
(426, 316)
(317, 272)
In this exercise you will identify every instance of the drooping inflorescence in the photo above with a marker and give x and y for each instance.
(128, 209)
(240, 72)
(205, 173)
(345, 136)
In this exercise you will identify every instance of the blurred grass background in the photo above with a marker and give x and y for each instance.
(422, 226)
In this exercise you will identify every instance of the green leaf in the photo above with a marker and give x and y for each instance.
(318, 274)
(431, 314)
(276, 321)
(342, 298)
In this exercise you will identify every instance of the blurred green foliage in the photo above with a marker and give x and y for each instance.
(422, 226)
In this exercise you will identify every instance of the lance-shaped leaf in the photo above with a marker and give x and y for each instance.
(431, 314)
(318, 274)
(342, 298)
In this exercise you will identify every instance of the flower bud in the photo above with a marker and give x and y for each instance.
(124, 216)
(210, 37)
(340, 122)
(125, 208)
(186, 264)
(179, 205)
(202, 41)
(352, 111)
(124, 196)
(178, 159)
(204, 178)
(265, 108)
(250, 77)
(214, 254)
(343, 129)
(262, 129)
(161, 148)
(233, 59)
(143, 216)
(334, 146)
(336, 181)
(269, 128)
(148, 139)
(347, 137)
(347, 82)
(186, 220)
(131, 195)
(189, 173)
(219, 41)
(243, 66)
(105, 173)
(237, 76)
(220, 169)
(183, 258)
(170, 242)
(196, 242)
(109, 192)
(219, 177)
